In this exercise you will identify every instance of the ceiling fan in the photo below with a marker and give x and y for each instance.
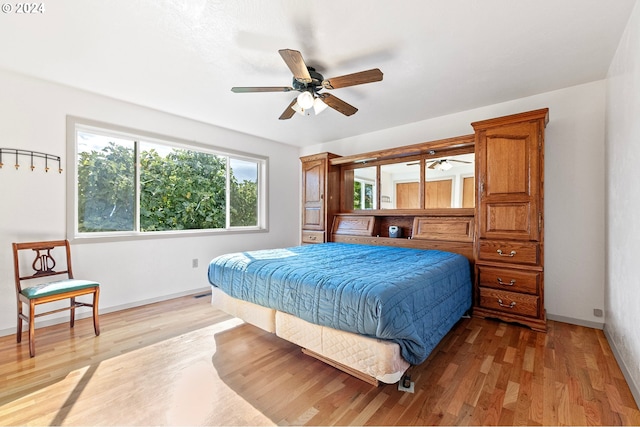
(444, 164)
(309, 83)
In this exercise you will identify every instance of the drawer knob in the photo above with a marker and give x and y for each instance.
(511, 283)
(312, 237)
(510, 254)
(501, 304)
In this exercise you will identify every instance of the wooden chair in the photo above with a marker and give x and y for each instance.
(44, 291)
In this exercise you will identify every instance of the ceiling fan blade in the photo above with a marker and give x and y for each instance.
(261, 89)
(369, 76)
(338, 104)
(296, 64)
(289, 112)
(433, 165)
(458, 161)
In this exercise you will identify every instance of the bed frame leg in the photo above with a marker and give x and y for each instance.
(406, 384)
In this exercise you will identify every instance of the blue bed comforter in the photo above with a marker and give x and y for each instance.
(410, 296)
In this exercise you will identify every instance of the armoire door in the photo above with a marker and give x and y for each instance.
(313, 184)
(508, 161)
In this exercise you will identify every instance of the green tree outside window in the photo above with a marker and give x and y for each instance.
(178, 189)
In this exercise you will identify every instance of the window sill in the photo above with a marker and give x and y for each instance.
(152, 235)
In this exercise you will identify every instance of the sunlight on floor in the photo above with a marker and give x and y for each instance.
(200, 384)
(185, 388)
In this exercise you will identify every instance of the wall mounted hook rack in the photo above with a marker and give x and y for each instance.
(4, 152)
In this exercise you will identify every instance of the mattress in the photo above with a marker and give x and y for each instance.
(371, 357)
(407, 296)
(262, 317)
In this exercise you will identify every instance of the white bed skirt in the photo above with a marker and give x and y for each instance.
(372, 357)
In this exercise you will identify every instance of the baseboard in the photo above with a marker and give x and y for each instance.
(153, 300)
(82, 314)
(635, 388)
(579, 322)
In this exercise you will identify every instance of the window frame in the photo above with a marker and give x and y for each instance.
(364, 183)
(74, 124)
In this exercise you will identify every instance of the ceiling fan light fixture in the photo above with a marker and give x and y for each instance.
(308, 82)
(298, 109)
(305, 100)
(319, 106)
(444, 165)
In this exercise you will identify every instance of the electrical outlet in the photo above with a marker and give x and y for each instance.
(597, 312)
(194, 263)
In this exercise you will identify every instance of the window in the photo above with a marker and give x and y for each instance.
(126, 183)
(364, 187)
(363, 196)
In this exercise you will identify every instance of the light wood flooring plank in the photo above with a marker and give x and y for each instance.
(181, 362)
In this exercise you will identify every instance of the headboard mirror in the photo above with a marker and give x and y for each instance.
(438, 175)
(364, 183)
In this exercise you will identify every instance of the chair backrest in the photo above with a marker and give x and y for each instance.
(44, 264)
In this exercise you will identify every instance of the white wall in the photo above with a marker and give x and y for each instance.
(33, 204)
(574, 187)
(622, 297)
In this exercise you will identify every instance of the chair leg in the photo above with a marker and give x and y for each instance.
(96, 321)
(72, 321)
(32, 329)
(19, 332)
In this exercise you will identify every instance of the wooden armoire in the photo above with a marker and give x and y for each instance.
(510, 218)
(320, 196)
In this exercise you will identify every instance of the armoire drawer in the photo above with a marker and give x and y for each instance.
(509, 251)
(312, 236)
(510, 280)
(509, 302)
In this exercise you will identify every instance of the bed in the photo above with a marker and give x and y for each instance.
(372, 311)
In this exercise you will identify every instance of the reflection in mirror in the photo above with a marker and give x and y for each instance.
(449, 182)
(400, 185)
(361, 183)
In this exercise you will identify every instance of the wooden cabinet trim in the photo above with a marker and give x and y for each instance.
(440, 146)
(542, 113)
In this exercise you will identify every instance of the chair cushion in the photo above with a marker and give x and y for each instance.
(58, 287)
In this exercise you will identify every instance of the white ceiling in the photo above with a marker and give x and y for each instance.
(438, 56)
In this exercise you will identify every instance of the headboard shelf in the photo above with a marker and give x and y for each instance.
(412, 212)
(453, 233)
(465, 249)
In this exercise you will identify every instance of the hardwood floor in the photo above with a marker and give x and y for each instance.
(181, 362)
